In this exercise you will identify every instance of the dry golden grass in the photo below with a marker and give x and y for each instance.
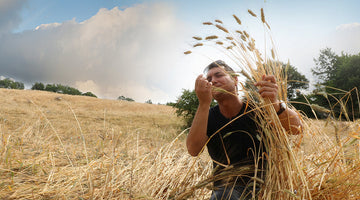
(134, 151)
(73, 147)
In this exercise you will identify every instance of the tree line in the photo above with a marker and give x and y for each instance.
(335, 94)
(58, 88)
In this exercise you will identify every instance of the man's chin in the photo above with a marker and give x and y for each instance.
(220, 94)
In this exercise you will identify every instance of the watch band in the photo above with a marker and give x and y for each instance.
(282, 107)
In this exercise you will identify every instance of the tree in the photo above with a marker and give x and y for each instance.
(63, 89)
(326, 66)
(295, 81)
(51, 88)
(11, 84)
(187, 105)
(123, 98)
(38, 86)
(338, 75)
(90, 94)
(348, 72)
(148, 101)
(347, 77)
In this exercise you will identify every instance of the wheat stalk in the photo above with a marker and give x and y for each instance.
(251, 13)
(237, 19)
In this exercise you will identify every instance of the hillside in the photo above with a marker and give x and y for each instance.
(22, 107)
(56, 146)
(63, 146)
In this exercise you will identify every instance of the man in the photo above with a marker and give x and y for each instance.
(236, 143)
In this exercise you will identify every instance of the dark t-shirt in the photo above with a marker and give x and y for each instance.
(240, 139)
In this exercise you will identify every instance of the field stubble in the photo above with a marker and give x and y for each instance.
(69, 147)
(66, 147)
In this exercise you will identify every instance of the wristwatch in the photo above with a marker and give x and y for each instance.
(282, 105)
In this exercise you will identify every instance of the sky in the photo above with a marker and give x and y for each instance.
(134, 48)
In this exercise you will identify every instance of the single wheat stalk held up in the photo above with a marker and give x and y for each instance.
(262, 15)
(252, 13)
(222, 28)
(218, 21)
(211, 37)
(237, 19)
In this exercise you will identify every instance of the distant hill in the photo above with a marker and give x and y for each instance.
(49, 140)
(21, 107)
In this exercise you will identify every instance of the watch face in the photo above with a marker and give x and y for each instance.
(282, 105)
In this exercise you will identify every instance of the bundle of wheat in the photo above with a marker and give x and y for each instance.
(329, 171)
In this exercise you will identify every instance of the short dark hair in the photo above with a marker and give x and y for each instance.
(219, 63)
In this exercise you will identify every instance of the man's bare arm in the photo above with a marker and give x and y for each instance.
(197, 136)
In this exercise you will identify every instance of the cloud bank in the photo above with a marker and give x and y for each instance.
(10, 14)
(132, 52)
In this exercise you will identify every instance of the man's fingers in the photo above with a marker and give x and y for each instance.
(270, 95)
(201, 82)
(269, 78)
(268, 89)
(266, 84)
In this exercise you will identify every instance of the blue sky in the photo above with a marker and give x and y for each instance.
(135, 47)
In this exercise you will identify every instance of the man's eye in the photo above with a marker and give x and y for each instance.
(219, 75)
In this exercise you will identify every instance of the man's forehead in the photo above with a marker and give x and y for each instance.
(216, 70)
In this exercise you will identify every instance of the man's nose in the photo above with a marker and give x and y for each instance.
(213, 81)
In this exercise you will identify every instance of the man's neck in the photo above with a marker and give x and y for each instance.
(230, 107)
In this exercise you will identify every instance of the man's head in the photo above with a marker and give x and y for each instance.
(219, 63)
(223, 78)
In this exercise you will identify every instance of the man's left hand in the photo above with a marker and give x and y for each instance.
(268, 88)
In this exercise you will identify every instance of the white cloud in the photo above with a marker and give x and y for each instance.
(47, 26)
(133, 52)
(345, 27)
(346, 38)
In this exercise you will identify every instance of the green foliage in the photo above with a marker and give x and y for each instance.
(326, 65)
(148, 101)
(295, 81)
(38, 86)
(187, 105)
(123, 98)
(90, 94)
(348, 72)
(338, 75)
(58, 88)
(10, 84)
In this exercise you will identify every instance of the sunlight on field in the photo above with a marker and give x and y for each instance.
(72, 147)
(65, 146)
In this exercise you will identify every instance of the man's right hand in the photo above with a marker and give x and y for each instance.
(197, 136)
(203, 90)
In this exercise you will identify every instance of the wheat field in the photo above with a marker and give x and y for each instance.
(56, 146)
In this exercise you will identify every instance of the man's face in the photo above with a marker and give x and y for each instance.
(222, 80)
